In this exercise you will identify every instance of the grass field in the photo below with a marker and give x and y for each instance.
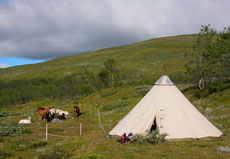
(140, 61)
(145, 58)
(113, 105)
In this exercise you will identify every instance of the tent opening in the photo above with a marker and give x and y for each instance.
(154, 125)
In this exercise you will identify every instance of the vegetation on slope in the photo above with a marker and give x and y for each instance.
(62, 82)
(79, 75)
(94, 144)
(139, 60)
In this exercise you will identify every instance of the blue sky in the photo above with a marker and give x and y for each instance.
(15, 61)
(32, 31)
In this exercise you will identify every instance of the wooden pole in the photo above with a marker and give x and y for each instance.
(20, 129)
(165, 66)
(80, 130)
(46, 131)
(99, 119)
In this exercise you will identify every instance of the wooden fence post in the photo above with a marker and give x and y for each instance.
(99, 118)
(80, 129)
(20, 130)
(99, 121)
(46, 131)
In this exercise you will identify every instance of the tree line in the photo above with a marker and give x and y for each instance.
(75, 85)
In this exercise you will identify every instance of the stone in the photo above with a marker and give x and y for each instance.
(221, 148)
(21, 145)
(210, 117)
(40, 150)
(225, 116)
(220, 107)
(197, 103)
(225, 109)
(208, 111)
(199, 107)
(55, 121)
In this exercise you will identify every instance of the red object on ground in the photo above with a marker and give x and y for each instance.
(123, 138)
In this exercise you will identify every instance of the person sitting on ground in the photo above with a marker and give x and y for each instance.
(130, 137)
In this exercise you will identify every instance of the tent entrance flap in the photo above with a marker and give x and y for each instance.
(154, 125)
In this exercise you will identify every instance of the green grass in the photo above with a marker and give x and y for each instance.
(141, 61)
(145, 58)
(94, 144)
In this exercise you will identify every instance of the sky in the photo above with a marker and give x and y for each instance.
(34, 31)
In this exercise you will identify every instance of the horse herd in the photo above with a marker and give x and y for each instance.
(50, 113)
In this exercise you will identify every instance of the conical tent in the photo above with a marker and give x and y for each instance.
(166, 107)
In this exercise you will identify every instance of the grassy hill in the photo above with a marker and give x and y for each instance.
(146, 58)
(142, 60)
(64, 140)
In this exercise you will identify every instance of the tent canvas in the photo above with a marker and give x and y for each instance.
(171, 110)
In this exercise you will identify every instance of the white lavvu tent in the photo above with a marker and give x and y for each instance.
(170, 110)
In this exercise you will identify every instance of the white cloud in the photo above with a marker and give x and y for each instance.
(44, 29)
(3, 65)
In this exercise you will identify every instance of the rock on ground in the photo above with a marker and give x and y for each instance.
(225, 149)
(55, 121)
(208, 110)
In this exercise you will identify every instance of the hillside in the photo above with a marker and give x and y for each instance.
(64, 140)
(145, 58)
(140, 62)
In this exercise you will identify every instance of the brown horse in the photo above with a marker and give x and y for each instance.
(77, 110)
(61, 116)
(43, 112)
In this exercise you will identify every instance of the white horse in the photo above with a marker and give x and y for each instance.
(25, 121)
(58, 111)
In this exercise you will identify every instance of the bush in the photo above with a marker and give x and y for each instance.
(218, 86)
(141, 90)
(56, 153)
(108, 107)
(122, 103)
(152, 137)
(36, 144)
(12, 129)
(4, 154)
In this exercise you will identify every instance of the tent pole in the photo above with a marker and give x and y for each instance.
(165, 65)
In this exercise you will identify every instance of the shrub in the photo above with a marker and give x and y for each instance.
(152, 137)
(38, 144)
(218, 86)
(141, 90)
(12, 129)
(122, 103)
(4, 154)
(56, 153)
(108, 94)
(108, 107)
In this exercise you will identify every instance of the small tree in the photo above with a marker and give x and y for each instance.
(212, 57)
(89, 79)
(104, 76)
(108, 72)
